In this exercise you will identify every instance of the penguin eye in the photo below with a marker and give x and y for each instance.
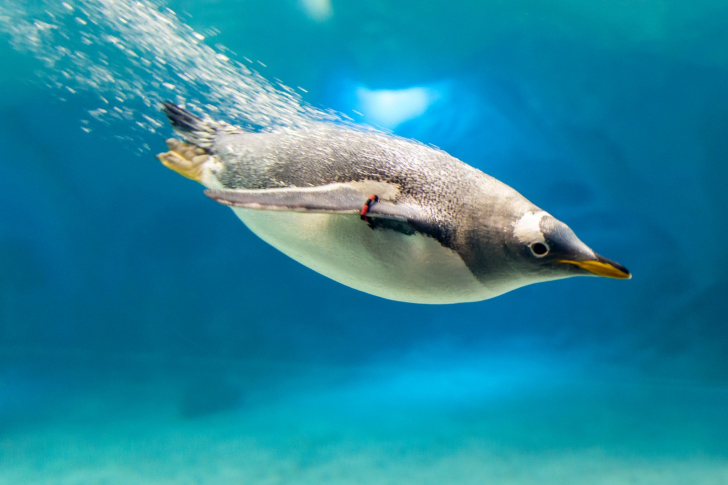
(539, 249)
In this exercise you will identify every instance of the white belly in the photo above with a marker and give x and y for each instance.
(385, 263)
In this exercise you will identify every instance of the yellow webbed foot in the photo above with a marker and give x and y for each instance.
(184, 158)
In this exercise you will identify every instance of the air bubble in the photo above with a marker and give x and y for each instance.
(137, 54)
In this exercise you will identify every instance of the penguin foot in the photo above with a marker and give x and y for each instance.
(184, 158)
(373, 199)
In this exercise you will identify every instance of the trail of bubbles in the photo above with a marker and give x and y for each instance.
(134, 55)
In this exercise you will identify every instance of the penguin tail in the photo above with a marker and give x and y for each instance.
(201, 132)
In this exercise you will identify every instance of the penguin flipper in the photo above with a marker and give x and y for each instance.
(327, 199)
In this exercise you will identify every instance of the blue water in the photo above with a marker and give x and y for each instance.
(146, 336)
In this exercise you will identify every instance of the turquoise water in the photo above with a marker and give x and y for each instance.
(146, 336)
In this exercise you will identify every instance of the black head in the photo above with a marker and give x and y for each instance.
(549, 249)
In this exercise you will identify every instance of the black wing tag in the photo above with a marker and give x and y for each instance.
(327, 199)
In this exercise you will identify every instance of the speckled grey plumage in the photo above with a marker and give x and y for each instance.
(447, 189)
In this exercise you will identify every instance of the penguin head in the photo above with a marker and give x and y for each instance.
(546, 248)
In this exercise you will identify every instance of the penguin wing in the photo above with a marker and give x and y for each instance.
(326, 199)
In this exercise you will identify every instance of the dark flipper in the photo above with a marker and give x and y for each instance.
(328, 199)
(338, 199)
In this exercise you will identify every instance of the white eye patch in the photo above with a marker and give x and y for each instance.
(527, 229)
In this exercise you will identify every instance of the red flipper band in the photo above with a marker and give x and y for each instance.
(373, 199)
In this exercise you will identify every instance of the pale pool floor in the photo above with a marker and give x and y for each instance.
(500, 420)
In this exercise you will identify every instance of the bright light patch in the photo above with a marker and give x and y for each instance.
(318, 10)
(390, 108)
(401, 389)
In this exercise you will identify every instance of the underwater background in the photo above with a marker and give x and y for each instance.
(147, 336)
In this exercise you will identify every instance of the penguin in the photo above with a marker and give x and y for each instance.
(385, 215)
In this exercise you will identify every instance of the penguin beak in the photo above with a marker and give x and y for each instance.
(602, 267)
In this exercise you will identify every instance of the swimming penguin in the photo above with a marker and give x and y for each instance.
(382, 214)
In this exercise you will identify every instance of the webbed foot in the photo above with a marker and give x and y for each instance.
(184, 158)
